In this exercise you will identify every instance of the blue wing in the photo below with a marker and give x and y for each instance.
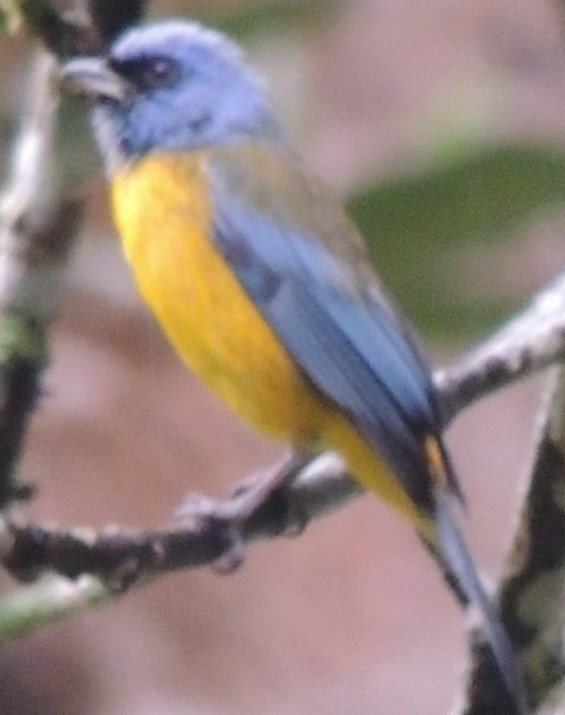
(327, 308)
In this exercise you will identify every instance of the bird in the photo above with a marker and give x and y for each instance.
(264, 286)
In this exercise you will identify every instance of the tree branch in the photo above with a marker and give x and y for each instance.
(530, 342)
(211, 530)
(532, 591)
(39, 215)
(36, 231)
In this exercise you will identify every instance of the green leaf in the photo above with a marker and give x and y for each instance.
(278, 17)
(418, 226)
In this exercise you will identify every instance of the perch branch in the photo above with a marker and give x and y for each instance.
(121, 558)
(532, 590)
(529, 343)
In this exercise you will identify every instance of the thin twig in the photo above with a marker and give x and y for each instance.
(207, 535)
(36, 231)
(530, 342)
(527, 344)
(38, 220)
(532, 591)
(50, 599)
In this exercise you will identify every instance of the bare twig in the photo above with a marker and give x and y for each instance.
(122, 558)
(50, 599)
(206, 533)
(36, 231)
(530, 342)
(527, 344)
(38, 220)
(532, 591)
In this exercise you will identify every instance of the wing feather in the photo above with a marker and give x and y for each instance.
(333, 320)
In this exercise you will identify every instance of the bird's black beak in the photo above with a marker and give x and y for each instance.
(94, 77)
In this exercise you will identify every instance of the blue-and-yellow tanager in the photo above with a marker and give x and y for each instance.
(262, 283)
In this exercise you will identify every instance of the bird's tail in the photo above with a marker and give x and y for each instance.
(460, 569)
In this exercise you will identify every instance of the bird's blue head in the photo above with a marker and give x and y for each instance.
(172, 86)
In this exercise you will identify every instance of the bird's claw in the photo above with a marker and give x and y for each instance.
(218, 520)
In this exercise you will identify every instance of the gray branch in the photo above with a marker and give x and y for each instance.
(37, 228)
(532, 590)
(529, 343)
(213, 529)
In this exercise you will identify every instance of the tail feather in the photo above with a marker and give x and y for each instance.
(454, 552)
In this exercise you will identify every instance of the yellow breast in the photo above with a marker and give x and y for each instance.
(163, 213)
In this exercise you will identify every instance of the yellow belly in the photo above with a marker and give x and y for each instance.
(163, 214)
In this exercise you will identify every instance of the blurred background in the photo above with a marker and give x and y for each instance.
(443, 125)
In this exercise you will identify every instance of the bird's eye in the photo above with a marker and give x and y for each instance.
(160, 72)
(148, 73)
